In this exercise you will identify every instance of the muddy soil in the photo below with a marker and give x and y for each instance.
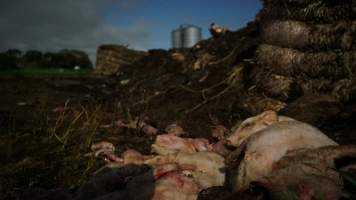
(47, 124)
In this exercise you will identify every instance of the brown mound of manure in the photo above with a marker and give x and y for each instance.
(290, 62)
(300, 35)
(280, 87)
(110, 58)
(309, 13)
(306, 2)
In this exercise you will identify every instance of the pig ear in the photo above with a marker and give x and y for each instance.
(270, 117)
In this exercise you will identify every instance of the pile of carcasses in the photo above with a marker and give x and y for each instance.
(289, 158)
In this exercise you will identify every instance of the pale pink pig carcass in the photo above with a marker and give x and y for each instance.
(170, 144)
(262, 140)
(254, 124)
(176, 186)
(200, 144)
(207, 168)
(162, 170)
(132, 156)
(220, 148)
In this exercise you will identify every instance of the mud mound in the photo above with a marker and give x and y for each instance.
(303, 36)
(316, 11)
(291, 62)
(307, 47)
(312, 43)
(110, 58)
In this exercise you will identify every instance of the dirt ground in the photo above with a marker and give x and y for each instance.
(48, 124)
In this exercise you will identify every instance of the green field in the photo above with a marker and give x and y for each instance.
(41, 72)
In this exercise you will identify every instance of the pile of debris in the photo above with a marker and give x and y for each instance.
(296, 58)
(284, 157)
(304, 64)
(182, 85)
(318, 11)
(308, 47)
(111, 58)
(301, 64)
(282, 61)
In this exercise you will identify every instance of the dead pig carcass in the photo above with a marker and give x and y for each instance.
(178, 175)
(263, 140)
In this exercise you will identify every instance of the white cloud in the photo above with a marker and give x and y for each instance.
(50, 25)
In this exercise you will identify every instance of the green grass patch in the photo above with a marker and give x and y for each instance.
(42, 72)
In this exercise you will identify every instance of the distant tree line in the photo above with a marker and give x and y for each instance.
(66, 59)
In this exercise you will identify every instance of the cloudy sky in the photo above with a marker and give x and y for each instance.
(51, 25)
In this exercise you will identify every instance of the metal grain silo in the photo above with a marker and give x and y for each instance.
(191, 35)
(177, 38)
